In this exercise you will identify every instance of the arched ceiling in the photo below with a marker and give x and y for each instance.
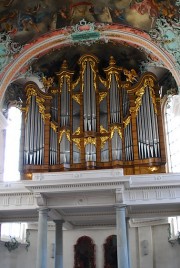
(26, 21)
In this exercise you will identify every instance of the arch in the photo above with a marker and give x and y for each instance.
(110, 252)
(84, 253)
(61, 38)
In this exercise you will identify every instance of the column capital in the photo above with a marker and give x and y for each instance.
(43, 209)
(43, 212)
(120, 206)
(58, 221)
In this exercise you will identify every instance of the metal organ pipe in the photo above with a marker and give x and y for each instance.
(113, 137)
(128, 129)
(93, 101)
(36, 125)
(114, 101)
(65, 104)
(34, 135)
(89, 98)
(31, 140)
(155, 134)
(150, 127)
(53, 147)
(148, 137)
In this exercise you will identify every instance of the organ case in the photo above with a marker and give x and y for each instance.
(94, 121)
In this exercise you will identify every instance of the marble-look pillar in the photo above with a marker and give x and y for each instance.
(41, 261)
(58, 244)
(122, 245)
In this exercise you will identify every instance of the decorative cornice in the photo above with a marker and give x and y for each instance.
(147, 222)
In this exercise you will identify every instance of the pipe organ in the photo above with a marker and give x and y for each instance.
(94, 121)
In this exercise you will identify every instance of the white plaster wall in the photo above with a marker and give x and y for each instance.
(20, 258)
(164, 255)
(98, 236)
(133, 248)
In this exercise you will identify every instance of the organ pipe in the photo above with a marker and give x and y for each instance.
(126, 133)
(89, 99)
(34, 134)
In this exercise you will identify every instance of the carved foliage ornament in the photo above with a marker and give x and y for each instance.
(66, 132)
(148, 82)
(89, 140)
(115, 128)
(92, 62)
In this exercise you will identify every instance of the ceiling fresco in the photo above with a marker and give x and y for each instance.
(26, 20)
(22, 22)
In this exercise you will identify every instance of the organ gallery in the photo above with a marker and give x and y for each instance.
(93, 121)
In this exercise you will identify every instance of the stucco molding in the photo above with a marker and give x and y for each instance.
(63, 38)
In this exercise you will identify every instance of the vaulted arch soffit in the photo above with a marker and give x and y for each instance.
(63, 38)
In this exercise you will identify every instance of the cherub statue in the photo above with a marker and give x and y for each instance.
(131, 76)
(47, 82)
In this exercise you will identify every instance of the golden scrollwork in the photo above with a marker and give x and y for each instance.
(153, 169)
(102, 95)
(77, 131)
(139, 93)
(152, 94)
(115, 128)
(92, 63)
(41, 106)
(104, 82)
(103, 130)
(117, 77)
(94, 69)
(54, 126)
(68, 82)
(77, 98)
(47, 116)
(127, 121)
(89, 140)
(54, 91)
(103, 139)
(74, 84)
(66, 132)
(77, 141)
(30, 91)
(109, 79)
(149, 82)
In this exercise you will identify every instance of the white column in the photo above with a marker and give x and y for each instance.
(122, 247)
(128, 246)
(41, 261)
(58, 244)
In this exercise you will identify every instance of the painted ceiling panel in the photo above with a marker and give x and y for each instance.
(26, 20)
